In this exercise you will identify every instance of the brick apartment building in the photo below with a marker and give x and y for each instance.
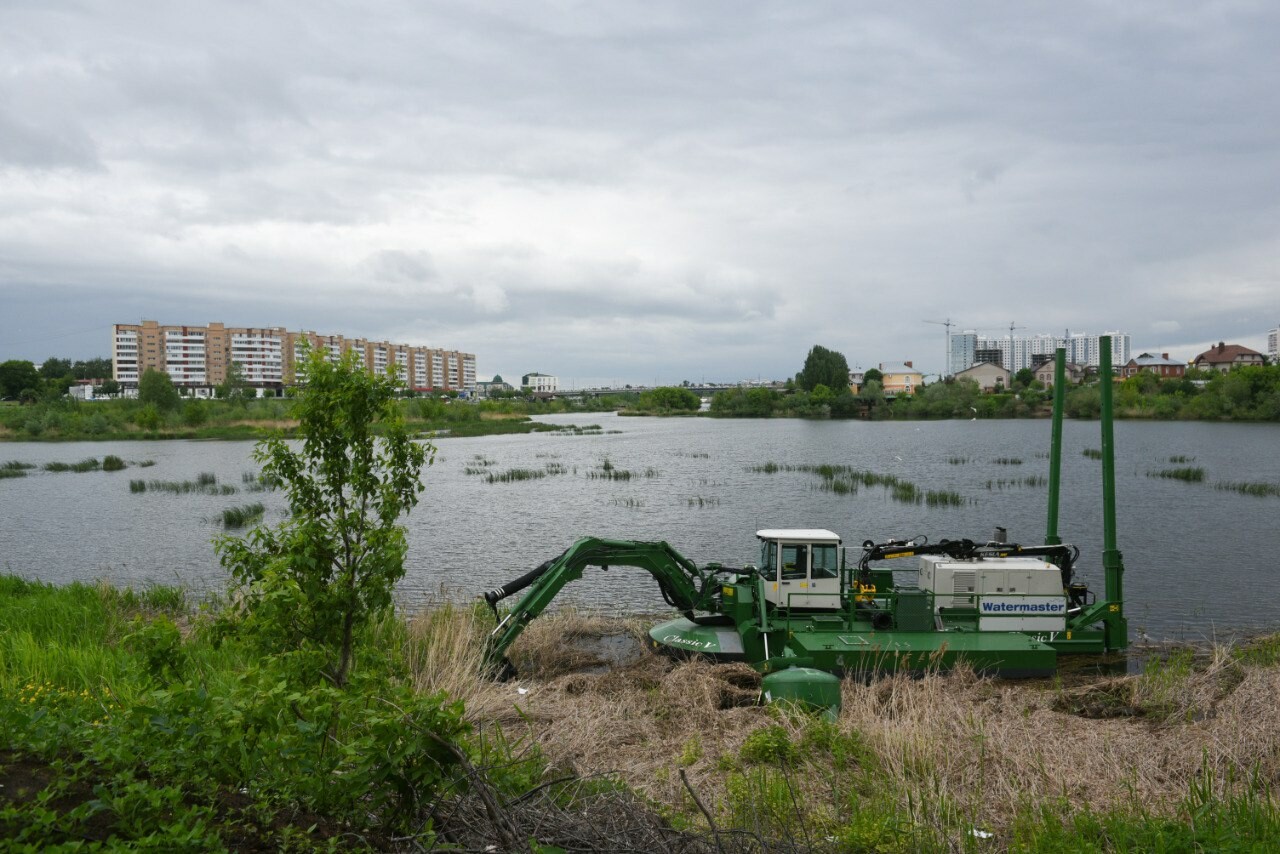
(198, 357)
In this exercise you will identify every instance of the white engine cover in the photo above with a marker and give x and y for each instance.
(1011, 594)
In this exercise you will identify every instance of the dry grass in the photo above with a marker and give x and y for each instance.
(947, 750)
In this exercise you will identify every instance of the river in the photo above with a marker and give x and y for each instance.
(1201, 563)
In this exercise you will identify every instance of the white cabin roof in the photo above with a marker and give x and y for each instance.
(803, 535)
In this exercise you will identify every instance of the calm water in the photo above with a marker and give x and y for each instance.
(1200, 562)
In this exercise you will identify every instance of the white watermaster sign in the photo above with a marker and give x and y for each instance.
(1022, 613)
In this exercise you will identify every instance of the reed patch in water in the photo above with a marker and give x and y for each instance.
(15, 468)
(515, 475)
(87, 464)
(238, 517)
(1189, 474)
(1261, 490)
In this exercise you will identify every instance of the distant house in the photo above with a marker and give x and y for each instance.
(856, 381)
(900, 378)
(989, 377)
(1074, 373)
(539, 383)
(1161, 366)
(486, 389)
(1224, 357)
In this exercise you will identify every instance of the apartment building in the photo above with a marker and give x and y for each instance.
(199, 357)
(965, 349)
(1273, 344)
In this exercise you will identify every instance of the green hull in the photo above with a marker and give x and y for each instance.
(846, 651)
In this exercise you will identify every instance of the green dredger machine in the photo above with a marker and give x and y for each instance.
(808, 609)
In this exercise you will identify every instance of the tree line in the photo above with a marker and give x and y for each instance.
(821, 390)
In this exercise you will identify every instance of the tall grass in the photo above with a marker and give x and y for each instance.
(15, 468)
(87, 464)
(1007, 461)
(112, 463)
(203, 485)
(238, 517)
(1189, 474)
(1092, 453)
(1246, 488)
(846, 480)
(514, 475)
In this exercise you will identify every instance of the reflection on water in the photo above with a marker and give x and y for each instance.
(1200, 562)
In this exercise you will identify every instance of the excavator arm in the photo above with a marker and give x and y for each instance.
(683, 585)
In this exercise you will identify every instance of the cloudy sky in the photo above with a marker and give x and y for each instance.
(640, 192)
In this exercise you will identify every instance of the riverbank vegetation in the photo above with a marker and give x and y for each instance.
(132, 718)
(175, 417)
(1245, 394)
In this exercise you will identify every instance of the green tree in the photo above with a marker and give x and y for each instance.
(235, 386)
(670, 399)
(155, 388)
(92, 369)
(109, 386)
(873, 375)
(16, 376)
(823, 367)
(54, 367)
(314, 580)
(1024, 378)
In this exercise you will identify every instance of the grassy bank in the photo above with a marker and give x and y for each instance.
(119, 420)
(130, 718)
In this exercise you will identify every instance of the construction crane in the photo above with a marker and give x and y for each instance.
(946, 353)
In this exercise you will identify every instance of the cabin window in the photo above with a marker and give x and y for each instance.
(768, 558)
(826, 564)
(795, 561)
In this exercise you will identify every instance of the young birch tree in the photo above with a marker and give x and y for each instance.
(316, 578)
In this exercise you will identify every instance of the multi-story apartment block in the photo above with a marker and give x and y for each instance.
(961, 351)
(1031, 351)
(199, 357)
(1273, 345)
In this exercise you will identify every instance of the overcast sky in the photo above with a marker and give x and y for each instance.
(640, 192)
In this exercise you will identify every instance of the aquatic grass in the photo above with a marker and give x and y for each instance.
(112, 463)
(238, 517)
(959, 461)
(1033, 481)
(200, 486)
(87, 464)
(700, 501)
(1092, 453)
(652, 472)
(766, 468)
(1189, 474)
(515, 475)
(630, 502)
(609, 474)
(146, 464)
(1261, 490)
(16, 465)
(12, 473)
(556, 468)
(1007, 461)
(137, 486)
(1181, 458)
(587, 430)
(479, 464)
